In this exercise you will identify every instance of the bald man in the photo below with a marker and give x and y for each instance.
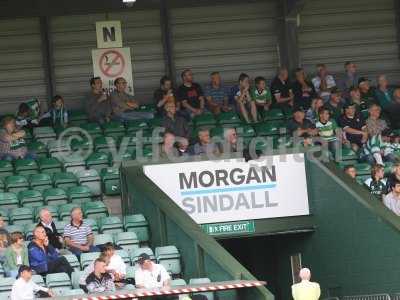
(46, 220)
(306, 290)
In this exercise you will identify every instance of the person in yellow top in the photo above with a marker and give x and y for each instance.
(306, 290)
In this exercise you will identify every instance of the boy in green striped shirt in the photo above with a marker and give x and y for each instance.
(327, 129)
(377, 150)
(261, 95)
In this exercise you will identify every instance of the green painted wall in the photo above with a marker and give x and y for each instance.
(355, 248)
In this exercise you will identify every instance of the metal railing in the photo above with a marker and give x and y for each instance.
(368, 297)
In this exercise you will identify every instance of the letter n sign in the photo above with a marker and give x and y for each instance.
(109, 34)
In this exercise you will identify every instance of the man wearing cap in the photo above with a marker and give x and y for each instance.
(150, 275)
(353, 126)
(367, 92)
(306, 290)
(25, 289)
(299, 126)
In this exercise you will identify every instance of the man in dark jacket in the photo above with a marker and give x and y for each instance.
(44, 258)
(99, 280)
(46, 221)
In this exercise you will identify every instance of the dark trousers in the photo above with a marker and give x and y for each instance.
(60, 265)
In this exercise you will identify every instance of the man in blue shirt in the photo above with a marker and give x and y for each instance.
(216, 95)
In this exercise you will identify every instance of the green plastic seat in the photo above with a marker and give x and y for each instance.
(274, 114)
(269, 128)
(73, 292)
(64, 211)
(39, 148)
(230, 118)
(136, 125)
(16, 228)
(51, 208)
(49, 165)
(149, 137)
(55, 196)
(93, 224)
(79, 194)
(205, 119)
(169, 257)
(8, 200)
(30, 198)
(147, 107)
(64, 180)
(104, 144)
(44, 134)
(40, 182)
(6, 169)
(363, 169)
(28, 230)
(82, 144)
(73, 261)
(73, 163)
(110, 181)
(91, 179)
(57, 280)
(93, 129)
(26, 167)
(2, 186)
(127, 241)
(4, 214)
(21, 215)
(114, 129)
(178, 282)
(217, 132)
(95, 209)
(116, 160)
(97, 161)
(125, 255)
(38, 279)
(101, 239)
(87, 258)
(245, 131)
(60, 225)
(112, 224)
(16, 183)
(138, 224)
(348, 154)
(6, 286)
(59, 148)
(77, 117)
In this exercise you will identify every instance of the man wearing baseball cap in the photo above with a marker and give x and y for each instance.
(24, 288)
(150, 275)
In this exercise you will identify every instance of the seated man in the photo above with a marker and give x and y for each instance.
(282, 91)
(393, 176)
(190, 96)
(299, 126)
(43, 258)
(46, 220)
(392, 199)
(204, 144)
(174, 123)
(323, 82)
(376, 184)
(244, 103)
(150, 275)
(78, 234)
(123, 105)
(392, 110)
(230, 141)
(98, 105)
(100, 281)
(12, 142)
(335, 104)
(89, 269)
(327, 130)
(367, 92)
(354, 127)
(168, 149)
(163, 95)
(24, 288)
(216, 94)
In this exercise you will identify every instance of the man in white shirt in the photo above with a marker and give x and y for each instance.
(116, 265)
(150, 275)
(323, 82)
(24, 288)
(392, 200)
(306, 290)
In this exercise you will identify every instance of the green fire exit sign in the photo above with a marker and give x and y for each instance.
(229, 228)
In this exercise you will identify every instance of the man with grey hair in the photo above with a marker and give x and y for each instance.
(230, 140)
(46, 220)
(306, 290)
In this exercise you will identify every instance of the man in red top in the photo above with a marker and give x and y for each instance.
(190, 95)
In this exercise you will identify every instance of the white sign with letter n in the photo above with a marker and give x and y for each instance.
(235, 190)
(109, 34)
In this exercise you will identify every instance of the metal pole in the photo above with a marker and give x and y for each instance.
(167, 39)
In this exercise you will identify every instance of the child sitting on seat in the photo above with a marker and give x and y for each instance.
(57, 116)
(261, 95)
(243, 99)
(25, 117)
(12, 142)
(376, 184)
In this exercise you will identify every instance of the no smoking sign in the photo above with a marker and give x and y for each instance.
(110, 64)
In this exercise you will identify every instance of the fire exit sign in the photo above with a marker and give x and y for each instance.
(229, 228)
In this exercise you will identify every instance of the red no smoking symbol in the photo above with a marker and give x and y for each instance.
(112, 63)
